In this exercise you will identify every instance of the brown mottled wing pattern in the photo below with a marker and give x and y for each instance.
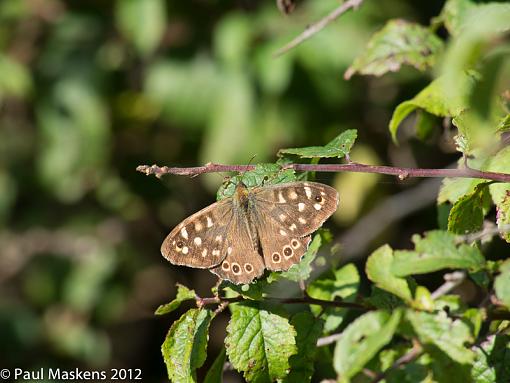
(286, 215)
(243, 262)
(200, 240)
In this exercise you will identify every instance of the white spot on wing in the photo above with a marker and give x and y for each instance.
(293, 227)
(308, 192)
(185, 250)
(317, 206)
(215, 252)
(198, 226)
(219, 238)
(293, 194)
(198, 241)
(209, 222)
(301, 206)
(184, 233)
(204, 252)
(229, 250)
(302, 220)
(282, 217)
(280, 197)
(283, 232)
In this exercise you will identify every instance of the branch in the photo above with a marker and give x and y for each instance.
(319, 25)
(324, 341)
(304, 300)
(401, 173)
(452, 280)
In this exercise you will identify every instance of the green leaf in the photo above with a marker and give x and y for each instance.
(423, 299)
(474, 47)
(185, 92)
(398, 43)
(301, 271)
(363, 339)
(263, 174)
(75, 132)
(413, 371)
(308, 329)
(433, 100)
(454, 188)
(215, 373)
(466, 215)
(143, 22)
(500, 162)
(475, 319)
(183, 294)
(475, 130)
(443, 332)
(342, 283)
(382, 299)
(184, 348)
(503, 217)
(425, 124)
(451, 303)
(504, 124)
(15, 78)
(259, 342)
(338, 147)
(254, 290)
(379, 270)
(437, 250)
(232, 36)
(453, 14)
(492, 361)
(502, 283)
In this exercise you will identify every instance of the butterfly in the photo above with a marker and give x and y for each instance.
(265, 227)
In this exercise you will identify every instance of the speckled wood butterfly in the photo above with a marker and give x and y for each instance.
(259, 228)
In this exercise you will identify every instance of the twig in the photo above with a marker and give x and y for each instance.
(402, 173)
(452, 280)
(488, 231)
(201, 302)
(324, 341)
(319, 25)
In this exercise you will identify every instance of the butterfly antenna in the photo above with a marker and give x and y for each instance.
(249, 163)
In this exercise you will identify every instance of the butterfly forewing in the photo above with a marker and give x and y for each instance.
(286, 214)
(201, 240)
(298, 207)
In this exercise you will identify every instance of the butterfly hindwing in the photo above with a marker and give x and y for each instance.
(200, 240)
(286, 215)
(243, 262)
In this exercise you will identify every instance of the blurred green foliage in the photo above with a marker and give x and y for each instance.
(89, 90)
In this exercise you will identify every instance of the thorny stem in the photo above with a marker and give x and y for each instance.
(201, 302)
(319, 25)
(401, 173)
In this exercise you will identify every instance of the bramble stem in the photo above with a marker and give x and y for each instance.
(401, 173)
(303, 300)
(319, 25)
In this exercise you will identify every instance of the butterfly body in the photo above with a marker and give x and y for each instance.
(261, 228)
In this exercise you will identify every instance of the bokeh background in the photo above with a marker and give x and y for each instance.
(91, 89)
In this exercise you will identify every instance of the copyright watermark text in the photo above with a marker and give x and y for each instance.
(60, 374)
